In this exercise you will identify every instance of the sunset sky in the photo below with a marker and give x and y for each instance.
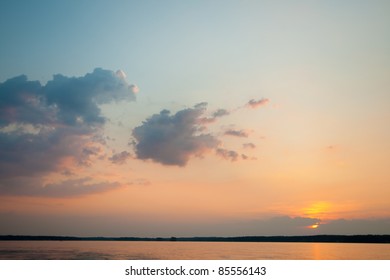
(194, 118)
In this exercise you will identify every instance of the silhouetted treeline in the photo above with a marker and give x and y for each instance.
(310, 238)
(75, 238)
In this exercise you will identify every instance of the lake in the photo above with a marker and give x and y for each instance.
(150, 250)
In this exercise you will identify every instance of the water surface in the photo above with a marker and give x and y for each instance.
(149, 250)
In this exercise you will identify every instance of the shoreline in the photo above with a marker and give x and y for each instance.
(379, 239)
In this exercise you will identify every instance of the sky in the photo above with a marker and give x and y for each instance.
(194, 118)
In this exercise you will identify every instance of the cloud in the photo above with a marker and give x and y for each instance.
(227, 154)
(134, 88)
(257, 103)
(355, 226)
(237, 133)
(121, 74)
(286, 225)
(77, 99)
(173, 139)
(220, 113)
(77, 187)
(27, 154)
(120, 158)
(272, 226)
(249, 146)
(22, 101)
(45, 127)
(17, 223)
(217, 114)
(245, 157)
(67, 188)
(64, 100)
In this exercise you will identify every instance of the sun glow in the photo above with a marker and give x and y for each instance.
(313, 226)
(316, 210)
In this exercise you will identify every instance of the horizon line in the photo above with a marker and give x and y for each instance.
(328, 238)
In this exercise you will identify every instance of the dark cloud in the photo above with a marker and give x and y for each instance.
(227, 154)
(68, 188)
(355, 226)
(237, 133)
(173, 139)
(272, 226)
(129, 225)
(42, 125)
(120, 158)
(90, 153)
(295, 221)
(65, 100)
(257, 103)
(27, 154)
(249, 146)
(77, 99)
(285, 225)
(22, 101)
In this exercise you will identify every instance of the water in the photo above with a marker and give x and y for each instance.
(134, 250)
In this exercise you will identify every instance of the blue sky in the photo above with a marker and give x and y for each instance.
(204, 46)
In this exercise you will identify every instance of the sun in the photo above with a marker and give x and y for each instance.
(315, 226)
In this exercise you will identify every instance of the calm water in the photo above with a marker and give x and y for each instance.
(124, 250)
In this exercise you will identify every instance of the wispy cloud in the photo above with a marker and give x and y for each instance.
(257, 103)
(67, 188)
(217, 114)
(249, 146)
(227, 154)
(120, 158)
(220, 113)
(237, 133)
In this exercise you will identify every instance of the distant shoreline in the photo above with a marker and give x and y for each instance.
(310, 238)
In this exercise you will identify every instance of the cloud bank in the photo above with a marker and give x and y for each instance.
(45, 127)
(57, 128)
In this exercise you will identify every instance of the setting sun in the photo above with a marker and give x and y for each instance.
(314, 226)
